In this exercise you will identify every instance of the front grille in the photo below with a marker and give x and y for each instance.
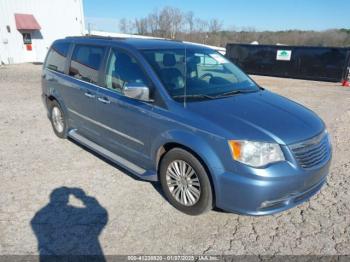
(313, 152)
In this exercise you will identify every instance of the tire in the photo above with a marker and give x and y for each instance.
(58, 120)
(178, 187)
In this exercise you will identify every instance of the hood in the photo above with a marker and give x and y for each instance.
(260, 116)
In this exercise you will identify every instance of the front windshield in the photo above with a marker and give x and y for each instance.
(206, 74)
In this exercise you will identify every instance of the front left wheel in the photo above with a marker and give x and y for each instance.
(185, 182)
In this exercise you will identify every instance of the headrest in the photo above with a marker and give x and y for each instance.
(169, 59)
(194, 60)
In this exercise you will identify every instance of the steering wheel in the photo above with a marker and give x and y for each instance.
(206, 75)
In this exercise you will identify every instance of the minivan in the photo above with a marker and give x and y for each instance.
(186, 116)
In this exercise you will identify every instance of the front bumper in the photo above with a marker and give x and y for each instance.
(270, 190)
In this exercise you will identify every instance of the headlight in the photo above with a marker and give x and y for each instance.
(255, 154)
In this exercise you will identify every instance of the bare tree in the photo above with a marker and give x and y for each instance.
(201, 31)
(176, 21)
(170, 22)
(125, 26)
(164, 22)
(201, 25)
(141, 26)
(189, 19)
(215, 26)
(153, 22)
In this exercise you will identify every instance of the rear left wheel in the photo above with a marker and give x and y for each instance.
(58, 120)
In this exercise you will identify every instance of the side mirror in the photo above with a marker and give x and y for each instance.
(137, 91)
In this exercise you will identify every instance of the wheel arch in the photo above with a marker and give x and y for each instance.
(199, 149)
(54, 97)
(50, 99)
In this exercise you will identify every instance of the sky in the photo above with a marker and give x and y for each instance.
(259, 14)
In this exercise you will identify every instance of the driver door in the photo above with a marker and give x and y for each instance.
(124, 122)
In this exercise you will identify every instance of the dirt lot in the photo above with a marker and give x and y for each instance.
(34, 162)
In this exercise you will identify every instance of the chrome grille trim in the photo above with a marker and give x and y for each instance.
(313, 152)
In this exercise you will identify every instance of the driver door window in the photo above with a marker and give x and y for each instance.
(122, 69)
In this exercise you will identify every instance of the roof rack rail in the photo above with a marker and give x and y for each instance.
(96, 37)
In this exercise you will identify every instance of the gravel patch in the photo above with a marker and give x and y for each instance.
(130, 216)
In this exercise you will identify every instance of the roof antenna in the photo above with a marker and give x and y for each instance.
(185, 89)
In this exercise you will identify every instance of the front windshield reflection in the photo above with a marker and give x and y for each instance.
(198, 74)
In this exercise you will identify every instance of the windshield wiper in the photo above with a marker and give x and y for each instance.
(233, 92)
(226, 94)
(194, 96)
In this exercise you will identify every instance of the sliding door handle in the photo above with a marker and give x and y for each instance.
(104, 100)
(89, 95)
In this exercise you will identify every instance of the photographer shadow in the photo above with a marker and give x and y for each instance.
(66, 232)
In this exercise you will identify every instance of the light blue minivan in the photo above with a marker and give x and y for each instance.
(184, 115)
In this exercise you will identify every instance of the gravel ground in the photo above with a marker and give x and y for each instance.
(129, 216)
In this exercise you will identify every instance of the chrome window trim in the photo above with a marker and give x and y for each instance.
(56, 72)
(107, 89)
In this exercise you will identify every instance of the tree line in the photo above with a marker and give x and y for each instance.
(173, 23)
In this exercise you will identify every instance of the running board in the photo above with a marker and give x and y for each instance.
(138, 171)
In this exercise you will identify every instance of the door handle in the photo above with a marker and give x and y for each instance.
(104, 100)
(89, 95)
(51, 79)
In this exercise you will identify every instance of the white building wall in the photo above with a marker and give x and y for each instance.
(57, 18)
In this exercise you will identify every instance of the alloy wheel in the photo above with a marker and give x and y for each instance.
(57, 119)
(183, 183)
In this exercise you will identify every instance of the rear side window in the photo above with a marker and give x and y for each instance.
(86, 62)
(56, 58)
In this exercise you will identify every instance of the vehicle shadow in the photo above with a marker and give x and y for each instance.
(70, 233)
